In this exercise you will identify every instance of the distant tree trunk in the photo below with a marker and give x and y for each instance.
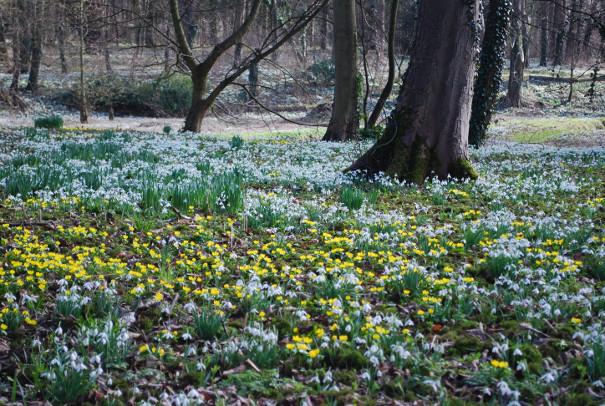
(191, 29)
(345, 117)
(324, 28)
(23, 31)
(543, 34)
(253, 79)
(61, 43)
(36, 59)
(526, 24)
(559, 32)
(570, 36)
(428, 130)
(588, 30)
(386, 92)
(489, 76)
(107, 40)
(83, 99)
(517, 61)
(16, 64)
(61, 36)
(36, 46)
(3, 48)
(238, 18)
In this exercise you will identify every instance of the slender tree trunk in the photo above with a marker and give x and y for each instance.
(543, 34)
(489, 76)
(324, 23)
(191, 29)
(559, 32)
(36, 59)
(83, 99)
(590, 26)
(107, 40)
(16, 64)
(517, 61)
(386, 92)
(526, 30)
(570, 37)
(238, 18)
(428, 130)
(345, 118)
(3, 48)
(61, 37)
(253, 79)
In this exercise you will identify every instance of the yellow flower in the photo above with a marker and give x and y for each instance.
(576, 320)
(158, 296)
(143, 348)
(498, 364)
(3, 326)
(314, 353)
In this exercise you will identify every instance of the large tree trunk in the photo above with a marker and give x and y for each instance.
(517, 61)
(386, 92)
(428, 130)
(489, 76)
(345, 118)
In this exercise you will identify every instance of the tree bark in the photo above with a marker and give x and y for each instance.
(489, 76)
(428, 130)
(345, 117)
(199, 104)
(517, 61)
(386, 91)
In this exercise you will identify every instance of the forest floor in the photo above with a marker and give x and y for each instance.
(143, 266)
(242, 266)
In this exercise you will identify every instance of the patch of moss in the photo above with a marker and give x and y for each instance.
(347, 358)
(533, 357)
(464, 343)
(578, 399)
(463, 169)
